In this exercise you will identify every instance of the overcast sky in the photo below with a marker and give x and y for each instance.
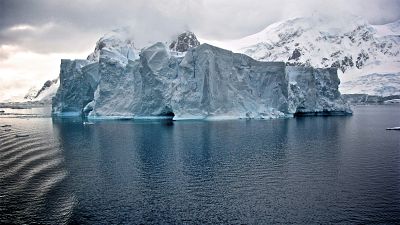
(36, 34)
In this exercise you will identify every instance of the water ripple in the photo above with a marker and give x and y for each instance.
(32, 171)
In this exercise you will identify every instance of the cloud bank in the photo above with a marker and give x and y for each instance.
(69, 25)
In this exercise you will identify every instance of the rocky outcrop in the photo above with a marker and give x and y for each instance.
(184, 42)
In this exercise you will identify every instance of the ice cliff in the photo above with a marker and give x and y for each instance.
(185, 80)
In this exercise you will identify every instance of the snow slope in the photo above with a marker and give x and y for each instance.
(374, 84)
(43, 94)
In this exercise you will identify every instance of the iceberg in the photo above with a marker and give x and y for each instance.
(315, 91)
(393, 128)
(186, 80)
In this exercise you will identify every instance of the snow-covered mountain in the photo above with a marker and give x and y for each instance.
(43, 94)
(349, 43)
(374, 84)
(31, 94)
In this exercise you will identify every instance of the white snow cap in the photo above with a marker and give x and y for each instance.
(349, 43)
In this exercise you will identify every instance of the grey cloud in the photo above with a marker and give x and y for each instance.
(3, 54)
(76, 25)
(49, 38)
(14, 87)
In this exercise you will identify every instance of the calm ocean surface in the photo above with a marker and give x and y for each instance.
(309, 170)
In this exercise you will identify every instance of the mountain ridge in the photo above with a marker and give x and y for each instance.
(350, 44)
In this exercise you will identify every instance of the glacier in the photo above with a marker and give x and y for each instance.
(184, 79)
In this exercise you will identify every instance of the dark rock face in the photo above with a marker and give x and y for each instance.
(184, 42)
(344, 64)
(295, 55)
(361, 59)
